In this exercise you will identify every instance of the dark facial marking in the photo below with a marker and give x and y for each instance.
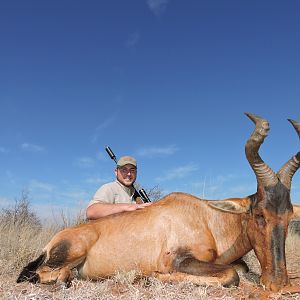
(278, 199)
(59, 254)
(277, 246)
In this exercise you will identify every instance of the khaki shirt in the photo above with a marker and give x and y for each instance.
(113, 192)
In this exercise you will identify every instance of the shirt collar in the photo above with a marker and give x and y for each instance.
(128, 190)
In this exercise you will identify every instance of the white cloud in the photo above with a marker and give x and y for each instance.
(133, 40)
(100, 156)
(38, 185)
(89, 162)
(3, 150)
(85, 162)
(158, 6)
(222, 186)
(106, 123)
(179, 172)
(77, 195)
(5, 202)
(96, 180)
(157, 151)
(32, 147)
(242, 189)
(50, 201)
(59, 214)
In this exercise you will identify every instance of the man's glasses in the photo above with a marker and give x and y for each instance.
(126, 170)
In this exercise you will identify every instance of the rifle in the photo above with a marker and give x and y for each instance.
(141, 193)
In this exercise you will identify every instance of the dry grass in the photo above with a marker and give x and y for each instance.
(20, 244)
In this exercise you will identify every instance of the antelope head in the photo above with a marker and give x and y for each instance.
(271, 207)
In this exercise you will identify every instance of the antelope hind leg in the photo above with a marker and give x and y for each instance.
(202, 273)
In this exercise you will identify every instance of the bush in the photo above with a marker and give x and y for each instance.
(294, 227)
(20, 214)
(19, 231)
(154, 193)
(22, 235)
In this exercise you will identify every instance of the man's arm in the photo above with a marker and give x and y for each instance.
(98, 210)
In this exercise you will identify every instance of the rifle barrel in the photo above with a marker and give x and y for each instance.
(111, 154)
(144, 195)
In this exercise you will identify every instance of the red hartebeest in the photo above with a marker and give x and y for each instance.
(182, 237)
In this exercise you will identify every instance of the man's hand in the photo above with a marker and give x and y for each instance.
(136, 206)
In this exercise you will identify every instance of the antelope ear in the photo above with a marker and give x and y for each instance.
(234, 207)
(296, 210)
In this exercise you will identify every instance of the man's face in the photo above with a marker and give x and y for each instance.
(126, 174)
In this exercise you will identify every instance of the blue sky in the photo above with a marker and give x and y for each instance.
(166, 81)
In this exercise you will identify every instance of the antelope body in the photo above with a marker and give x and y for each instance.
(182, 237)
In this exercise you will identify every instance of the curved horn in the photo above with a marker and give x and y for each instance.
(288, 170)
(296, 126)
(264, 174)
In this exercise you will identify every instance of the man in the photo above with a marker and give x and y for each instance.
(117, 196)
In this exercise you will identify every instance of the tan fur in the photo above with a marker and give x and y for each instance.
(124, 242)
(152, 239)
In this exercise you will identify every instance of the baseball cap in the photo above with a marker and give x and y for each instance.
(124, 160)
